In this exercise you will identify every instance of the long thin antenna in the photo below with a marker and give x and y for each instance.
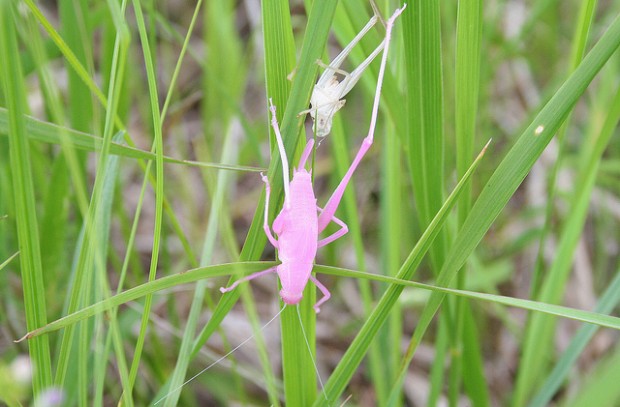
(222, 358)
(283, 158)
(316, 369)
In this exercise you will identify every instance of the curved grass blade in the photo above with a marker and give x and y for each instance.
(590, 317)
(142, 290)
(609, 300)
(52, 133)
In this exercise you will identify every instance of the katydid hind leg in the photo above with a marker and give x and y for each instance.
(326, 294)
(344, 229)
(334, 200)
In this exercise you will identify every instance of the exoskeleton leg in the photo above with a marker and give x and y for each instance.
(335, 64)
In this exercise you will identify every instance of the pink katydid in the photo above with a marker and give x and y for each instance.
(300, 222)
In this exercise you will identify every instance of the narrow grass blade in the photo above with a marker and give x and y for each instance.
(159, 188)
(600, 387)
(298, 377)
(7, 261)
(24, 194)
(609, 300)
(76, 32)
(52, 133)
(87, 253)
(424, 98)
(466, 360)
(590, 317)
(142, 290)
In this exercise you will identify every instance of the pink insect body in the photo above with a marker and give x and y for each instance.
(301, 221)
(297, 230)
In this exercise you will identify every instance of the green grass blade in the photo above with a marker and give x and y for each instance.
(76, 32)
(149, 288)
(538, 341)
(201, 273)
(25, 204)
(73, 60)
(88, 251)
(425, 133)
(466, 361)
(53, 134)
(590, 317)
(600, 388)
(7, 261)
(159, 188)
(298, 377)
(425, 138)
(279, 54)
(580, 39)
(608, 301)
(348, 20)
(513, 169)
(102, 289)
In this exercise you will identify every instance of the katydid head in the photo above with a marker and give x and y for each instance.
(302, 175)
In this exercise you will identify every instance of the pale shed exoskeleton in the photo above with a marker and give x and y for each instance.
(328, 93)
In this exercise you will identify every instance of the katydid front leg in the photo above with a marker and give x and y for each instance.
(266, 227)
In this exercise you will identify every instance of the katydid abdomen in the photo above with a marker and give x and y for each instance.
(297, 230)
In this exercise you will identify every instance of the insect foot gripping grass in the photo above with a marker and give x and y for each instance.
(328, 93)
(301, 221)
